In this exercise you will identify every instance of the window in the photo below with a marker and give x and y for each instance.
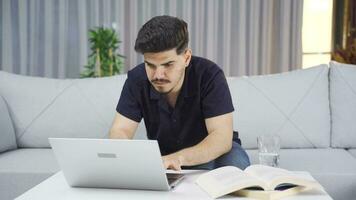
(316, 32)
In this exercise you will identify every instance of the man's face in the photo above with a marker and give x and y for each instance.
(165, 70)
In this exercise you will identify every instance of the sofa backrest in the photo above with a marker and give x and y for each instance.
(7, 133)
(293, 105)
(343, 105)
(41, 107)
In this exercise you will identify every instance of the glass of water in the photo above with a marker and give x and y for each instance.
(268, 150)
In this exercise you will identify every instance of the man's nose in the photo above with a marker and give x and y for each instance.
(159, 73)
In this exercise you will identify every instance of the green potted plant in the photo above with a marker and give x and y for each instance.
(104, 59)
(347, 55)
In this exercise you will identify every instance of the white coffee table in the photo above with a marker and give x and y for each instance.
(56, 187)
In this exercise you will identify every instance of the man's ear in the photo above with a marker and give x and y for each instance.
(187, 56)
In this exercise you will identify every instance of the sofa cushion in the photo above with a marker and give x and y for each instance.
(352, 152)
(335, 169)
(343, 104)
(28, 160)
(7, 133)
(22, 169)
(43, 108)
(293, 105)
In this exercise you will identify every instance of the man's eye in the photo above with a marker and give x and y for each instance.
(151, 66)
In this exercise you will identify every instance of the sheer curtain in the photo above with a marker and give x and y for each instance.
(246, 37)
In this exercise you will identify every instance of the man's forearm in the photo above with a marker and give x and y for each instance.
(117, 132)
(122, 127)
(118, 135)
(209, 149)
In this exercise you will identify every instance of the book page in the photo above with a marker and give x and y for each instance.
(273, 176)
(225, 180)
(270, 195)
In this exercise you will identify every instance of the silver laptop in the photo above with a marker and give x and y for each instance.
(108, 163)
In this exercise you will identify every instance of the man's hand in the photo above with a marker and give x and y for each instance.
(173, 161)
(218, 142)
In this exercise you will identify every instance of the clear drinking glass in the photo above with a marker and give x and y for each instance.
(268, 150)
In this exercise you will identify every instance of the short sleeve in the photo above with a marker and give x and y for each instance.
(128, 104)
(216, 97)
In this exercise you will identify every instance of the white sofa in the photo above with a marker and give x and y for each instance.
(312, 110)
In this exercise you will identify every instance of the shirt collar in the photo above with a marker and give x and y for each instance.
(189, 85)
(153, 93)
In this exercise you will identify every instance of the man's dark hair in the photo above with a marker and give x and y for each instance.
(162, 33)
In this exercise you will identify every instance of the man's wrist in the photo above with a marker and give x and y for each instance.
(181, 158)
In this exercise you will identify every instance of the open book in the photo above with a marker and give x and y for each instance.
(257, 181)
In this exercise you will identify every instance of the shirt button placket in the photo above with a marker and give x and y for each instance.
(174, 125)
(174, 117)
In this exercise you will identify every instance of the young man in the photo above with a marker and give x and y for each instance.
(184, 101)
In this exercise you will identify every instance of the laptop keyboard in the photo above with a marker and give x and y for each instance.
(173, 177)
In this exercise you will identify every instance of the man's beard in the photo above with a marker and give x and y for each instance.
(164, 93)
(161, 92)
(166, 81)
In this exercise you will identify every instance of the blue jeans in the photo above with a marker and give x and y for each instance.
(237, 157)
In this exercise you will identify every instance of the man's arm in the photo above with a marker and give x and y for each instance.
(218, 142)
(123, 127)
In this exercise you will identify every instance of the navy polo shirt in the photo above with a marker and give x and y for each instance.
(204, 94)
